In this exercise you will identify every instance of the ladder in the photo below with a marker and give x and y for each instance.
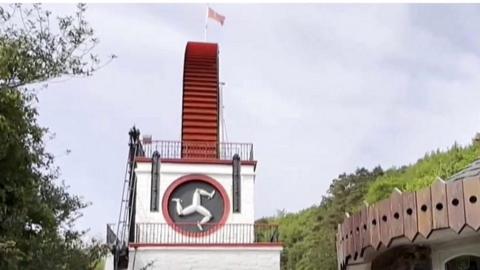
(124, 231)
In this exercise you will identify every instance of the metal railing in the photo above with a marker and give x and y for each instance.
(188, 233)
(197, 150)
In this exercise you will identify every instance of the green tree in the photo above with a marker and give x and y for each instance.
(37, 213)
(309, 236)
(424, 172)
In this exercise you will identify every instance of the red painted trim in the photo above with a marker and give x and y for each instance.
(197, 161)
(143, 159)
(209, 161)
(195, 177)
(137, 245)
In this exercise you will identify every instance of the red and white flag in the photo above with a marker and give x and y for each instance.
(212, 14)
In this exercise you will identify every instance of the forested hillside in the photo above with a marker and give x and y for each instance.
(309, 236)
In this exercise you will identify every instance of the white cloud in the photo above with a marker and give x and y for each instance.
(319, 90)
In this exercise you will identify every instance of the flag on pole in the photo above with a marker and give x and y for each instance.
(212, 14)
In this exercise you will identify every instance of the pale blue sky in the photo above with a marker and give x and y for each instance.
(319, 89)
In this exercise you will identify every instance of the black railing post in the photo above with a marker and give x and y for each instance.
(155, 182)
(251, 152)
(236, 183)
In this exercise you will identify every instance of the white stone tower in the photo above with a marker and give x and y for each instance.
(189, 204)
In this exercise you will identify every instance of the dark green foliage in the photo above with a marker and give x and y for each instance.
(36, 212)
(309, 235)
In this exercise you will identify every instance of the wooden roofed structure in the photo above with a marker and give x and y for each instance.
(443, 212)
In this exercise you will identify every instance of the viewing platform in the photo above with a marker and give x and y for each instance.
(213, 234)
(196, 150)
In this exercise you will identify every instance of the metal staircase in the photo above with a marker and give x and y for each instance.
(125, 232)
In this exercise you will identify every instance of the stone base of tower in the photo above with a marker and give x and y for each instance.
(211, 257)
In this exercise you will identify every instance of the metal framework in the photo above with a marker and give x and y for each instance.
(197, 150)
(184, 233)
(125, 231)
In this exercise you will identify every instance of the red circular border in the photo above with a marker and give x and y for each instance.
(195, 177)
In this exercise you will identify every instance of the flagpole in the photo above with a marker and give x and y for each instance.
(206, 23)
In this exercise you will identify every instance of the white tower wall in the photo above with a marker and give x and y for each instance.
(238, 227)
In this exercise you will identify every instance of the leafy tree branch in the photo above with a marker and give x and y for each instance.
(32, 51)
(37, 213)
